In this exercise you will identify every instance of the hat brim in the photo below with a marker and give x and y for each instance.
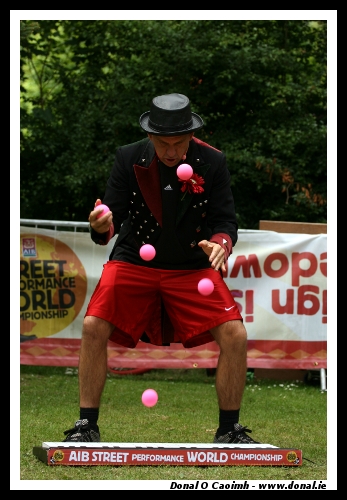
(197, 124)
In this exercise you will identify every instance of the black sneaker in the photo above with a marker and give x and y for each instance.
(238, 435)
(82, 432)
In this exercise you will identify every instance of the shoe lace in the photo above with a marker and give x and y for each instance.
(79, 425)
(240, 433)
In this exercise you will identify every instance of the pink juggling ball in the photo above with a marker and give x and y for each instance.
(105, 209)
(184, 171)
(205, 286)
(149, 397)
(147, 252)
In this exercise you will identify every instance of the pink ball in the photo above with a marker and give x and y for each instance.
(105, 209)
(149, 397)
(184, 171)
(147, 252)
(205, 286)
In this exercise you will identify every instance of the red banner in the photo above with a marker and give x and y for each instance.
(118, 454)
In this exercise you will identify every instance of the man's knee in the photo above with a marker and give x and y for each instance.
(96, 329)
(230, 332)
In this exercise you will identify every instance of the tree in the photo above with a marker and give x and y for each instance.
(260, 87)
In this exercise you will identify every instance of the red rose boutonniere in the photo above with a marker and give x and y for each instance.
(192, 185)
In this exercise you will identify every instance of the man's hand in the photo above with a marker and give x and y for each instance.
(103, 224)
(215, 253)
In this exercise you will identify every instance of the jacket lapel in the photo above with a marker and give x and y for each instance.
(148, 179)
(186, 198)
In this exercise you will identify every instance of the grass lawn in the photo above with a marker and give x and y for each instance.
(284, 414)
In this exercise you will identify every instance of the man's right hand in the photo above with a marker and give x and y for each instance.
(103, 224)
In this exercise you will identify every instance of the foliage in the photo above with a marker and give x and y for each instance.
(260, 87)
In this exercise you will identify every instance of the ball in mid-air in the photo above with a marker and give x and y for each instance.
(147, 252)
(184, 171)
(205, 286)
(149, 397)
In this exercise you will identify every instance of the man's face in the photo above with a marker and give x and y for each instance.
(171, 150)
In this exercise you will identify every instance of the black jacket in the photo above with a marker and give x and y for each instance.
(144, 211)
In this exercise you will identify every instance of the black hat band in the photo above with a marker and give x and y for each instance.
(161, 128)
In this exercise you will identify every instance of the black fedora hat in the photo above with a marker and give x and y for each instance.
(170, 114)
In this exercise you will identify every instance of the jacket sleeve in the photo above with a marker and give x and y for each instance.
(104, 238)
(221, 216)
(116, 196)
(225, 242)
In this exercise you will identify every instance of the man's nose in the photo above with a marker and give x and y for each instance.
(171, 151)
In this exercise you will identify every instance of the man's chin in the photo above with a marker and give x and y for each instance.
(169, 163)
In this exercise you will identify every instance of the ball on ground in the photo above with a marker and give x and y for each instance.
(205, 286)
(149, 397)
(184, 171)
(105, 209)
(147, 252)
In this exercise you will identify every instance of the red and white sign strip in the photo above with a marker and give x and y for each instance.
(277, 279)
(56, 453)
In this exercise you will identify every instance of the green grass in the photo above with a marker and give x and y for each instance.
(284, 414)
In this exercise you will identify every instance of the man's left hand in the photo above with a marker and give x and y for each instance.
(216, 254)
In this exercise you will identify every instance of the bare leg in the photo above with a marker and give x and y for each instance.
(231, 338)
(92, 369)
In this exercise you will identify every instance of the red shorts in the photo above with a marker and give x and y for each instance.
(160, 306)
